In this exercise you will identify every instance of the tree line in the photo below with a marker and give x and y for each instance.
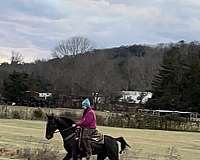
(170, 71)
(99, 71)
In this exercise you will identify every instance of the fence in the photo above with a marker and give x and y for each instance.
(105, 118)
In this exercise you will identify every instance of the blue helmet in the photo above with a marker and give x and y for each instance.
(86, 103)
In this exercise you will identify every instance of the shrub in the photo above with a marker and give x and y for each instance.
(38, 114)
(15, 114)
(101, 120)
(44, 153)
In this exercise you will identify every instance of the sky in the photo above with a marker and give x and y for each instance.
(34, 27)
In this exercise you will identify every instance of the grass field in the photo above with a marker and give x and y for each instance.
(145, 144)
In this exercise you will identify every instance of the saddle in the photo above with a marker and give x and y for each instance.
(96, 136)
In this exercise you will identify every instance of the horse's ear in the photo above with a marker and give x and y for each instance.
(50, 116)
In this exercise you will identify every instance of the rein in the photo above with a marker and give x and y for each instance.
(69, 136)
(64, 130)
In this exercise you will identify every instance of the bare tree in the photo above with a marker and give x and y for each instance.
(72, 46)
(140, 71)
(16, 58)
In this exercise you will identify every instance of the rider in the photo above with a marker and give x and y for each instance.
(88, 123)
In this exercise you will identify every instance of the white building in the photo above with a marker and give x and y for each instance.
(45, 95)
(135, 97)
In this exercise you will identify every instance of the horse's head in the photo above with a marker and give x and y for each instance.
(54, 123)
(51, 126)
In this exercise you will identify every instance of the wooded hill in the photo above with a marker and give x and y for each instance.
(107, 71)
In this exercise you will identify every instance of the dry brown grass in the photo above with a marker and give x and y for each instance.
(145, 144)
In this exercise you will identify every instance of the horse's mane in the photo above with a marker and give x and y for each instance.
(67, 120)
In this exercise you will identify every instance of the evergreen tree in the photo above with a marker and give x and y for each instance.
(177, 86)
(191, 80)
(166, 83)
(16, 85)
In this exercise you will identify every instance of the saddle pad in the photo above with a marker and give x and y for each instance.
(97, 137)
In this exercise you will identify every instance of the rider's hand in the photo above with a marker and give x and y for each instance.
(73, 125)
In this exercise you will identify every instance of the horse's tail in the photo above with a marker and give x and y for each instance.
(123, 143)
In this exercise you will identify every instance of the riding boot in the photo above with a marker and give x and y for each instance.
(88, 149)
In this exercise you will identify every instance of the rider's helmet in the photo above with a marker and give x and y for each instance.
(86, 103)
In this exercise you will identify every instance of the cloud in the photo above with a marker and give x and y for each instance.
(37, 25)
(29, 54)
(3, 57)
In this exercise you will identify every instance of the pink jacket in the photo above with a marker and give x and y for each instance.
(88, 120)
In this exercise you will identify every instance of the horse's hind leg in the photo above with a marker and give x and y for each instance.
(113, 152)
(113, 157)
(101, 157)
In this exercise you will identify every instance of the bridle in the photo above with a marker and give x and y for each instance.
(53, 124)
(64, 130)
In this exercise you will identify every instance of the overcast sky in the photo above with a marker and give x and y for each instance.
(34, 27)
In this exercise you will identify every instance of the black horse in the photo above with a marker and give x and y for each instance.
(64, 125)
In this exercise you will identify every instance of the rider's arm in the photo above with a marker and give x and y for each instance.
(86, 120)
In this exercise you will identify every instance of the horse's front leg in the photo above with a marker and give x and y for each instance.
(101, 157)
(71, 148)
(74, 155)
(68, 156)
